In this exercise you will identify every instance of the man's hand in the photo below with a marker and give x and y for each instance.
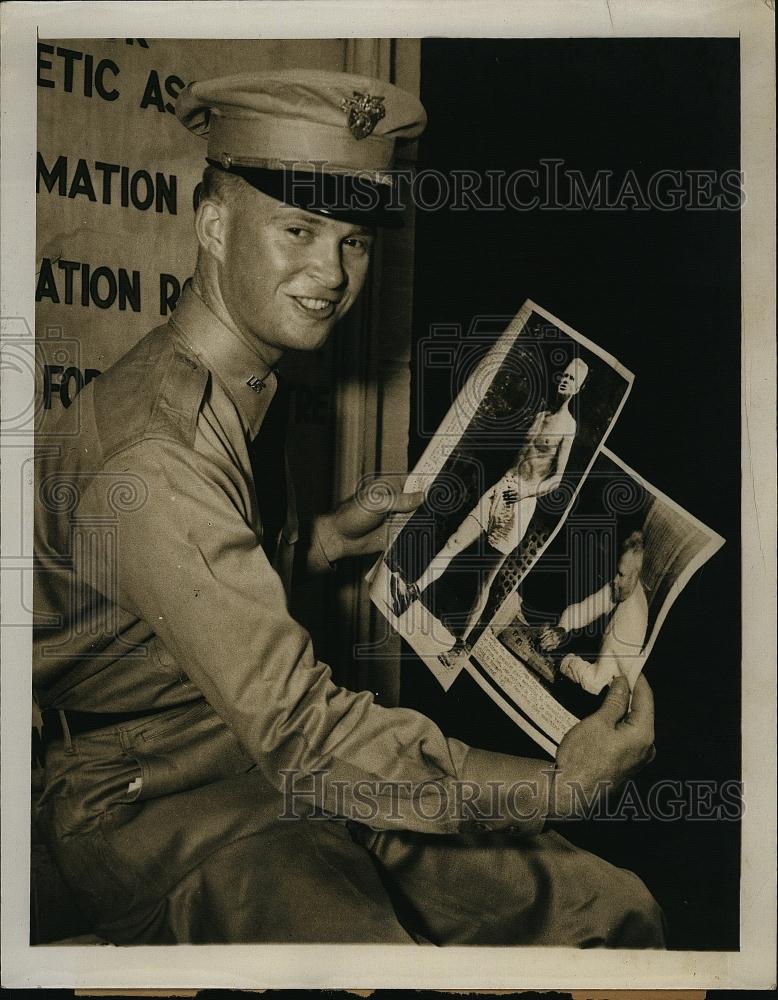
(359, 525)
(550, 638)
(604, 749)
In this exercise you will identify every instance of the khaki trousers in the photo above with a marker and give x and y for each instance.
(195, 852)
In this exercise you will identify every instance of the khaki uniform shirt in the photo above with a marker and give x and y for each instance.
(153, 592)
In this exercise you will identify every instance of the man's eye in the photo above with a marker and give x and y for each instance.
(357, 244)
(297, 231)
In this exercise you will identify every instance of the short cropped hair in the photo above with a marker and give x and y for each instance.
(219, 185)
(634, 542)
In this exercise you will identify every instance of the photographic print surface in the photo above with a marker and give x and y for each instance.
(498, 477)
(592, 606)
(598, 159)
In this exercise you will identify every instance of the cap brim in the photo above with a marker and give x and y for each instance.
(355, 199)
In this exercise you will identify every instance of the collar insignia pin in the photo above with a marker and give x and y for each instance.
(256, 383)
(364, 113)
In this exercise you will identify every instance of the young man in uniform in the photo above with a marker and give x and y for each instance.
(181, 701)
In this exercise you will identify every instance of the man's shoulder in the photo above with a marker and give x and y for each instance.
(153, 391)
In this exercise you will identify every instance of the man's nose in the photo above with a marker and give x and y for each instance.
(325, 265)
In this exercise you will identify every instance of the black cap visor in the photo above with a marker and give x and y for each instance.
(347, 198)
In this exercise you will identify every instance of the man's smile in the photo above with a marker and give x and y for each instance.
(313, 307)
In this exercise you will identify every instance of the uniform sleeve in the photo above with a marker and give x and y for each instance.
(320, 546)
(189, 565)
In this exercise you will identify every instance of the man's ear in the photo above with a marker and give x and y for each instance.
(211, 227)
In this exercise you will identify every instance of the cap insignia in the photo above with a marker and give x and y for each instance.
(364, 113)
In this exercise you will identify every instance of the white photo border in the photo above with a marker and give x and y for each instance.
(393, 966)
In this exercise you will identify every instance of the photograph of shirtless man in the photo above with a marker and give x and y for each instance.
(504, 511)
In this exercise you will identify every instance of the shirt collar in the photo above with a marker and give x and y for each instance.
(228, 356)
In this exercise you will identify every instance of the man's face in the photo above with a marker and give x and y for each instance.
(627, 575)
(571, 380)
(288, 275)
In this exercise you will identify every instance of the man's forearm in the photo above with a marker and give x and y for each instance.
(323, 552)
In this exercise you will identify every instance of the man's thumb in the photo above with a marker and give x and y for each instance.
(406, 502)
(616, 703)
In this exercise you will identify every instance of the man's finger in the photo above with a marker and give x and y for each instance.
(380, 496)
(616, 703)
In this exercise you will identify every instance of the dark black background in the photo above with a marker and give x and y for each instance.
(661, 291)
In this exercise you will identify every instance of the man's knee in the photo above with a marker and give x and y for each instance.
(636, 919)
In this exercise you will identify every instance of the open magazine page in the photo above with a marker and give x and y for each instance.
(499, 477)
(593, 604)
